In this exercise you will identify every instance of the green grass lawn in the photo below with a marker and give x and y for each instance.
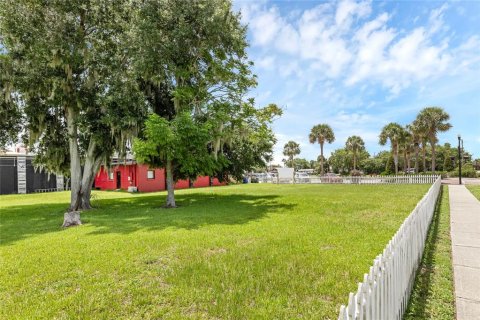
(433, 294)
(240, 252)
(475, 190)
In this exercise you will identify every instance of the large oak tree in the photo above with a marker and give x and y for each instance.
(71, 75)
(190, 57)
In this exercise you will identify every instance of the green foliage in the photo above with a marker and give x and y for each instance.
(291, 149)
(191, 57)
(11, 117)
(195, 49)
(300, 163)
(244, 139)
(476, 164)
(467, 171)
(372, 165)
(341, 161)
(355, 145)
(433, 120)
(389, 166)
(430, 121)
(73, 52)
(182, 140)
(393, 132)
(448, 163)
(321, 133)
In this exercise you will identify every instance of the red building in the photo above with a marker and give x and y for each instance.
(131, 174)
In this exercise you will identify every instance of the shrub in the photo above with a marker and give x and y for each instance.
(467, 171)
(355, 173)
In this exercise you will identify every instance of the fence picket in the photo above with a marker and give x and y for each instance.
(393, 179)
(385, 290)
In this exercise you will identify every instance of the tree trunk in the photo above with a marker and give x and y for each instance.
(170, 185)
(87, 181)
(71, 218)
(395, 158)
(424, 155)
(432, 143)
(217, 142)
(416, 159)
(321, 159)
(354, 161)
(75, 171)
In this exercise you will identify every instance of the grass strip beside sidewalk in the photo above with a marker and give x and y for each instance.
(475, 190)
(433, 292)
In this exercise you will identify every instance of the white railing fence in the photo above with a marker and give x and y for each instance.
(404, 179)
(400, 179)
(385, 290)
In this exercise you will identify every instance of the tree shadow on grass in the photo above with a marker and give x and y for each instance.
(126, 215)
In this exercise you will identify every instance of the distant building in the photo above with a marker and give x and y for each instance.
(128, 175)
(18, 174)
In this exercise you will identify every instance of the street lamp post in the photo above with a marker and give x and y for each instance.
(459, 160)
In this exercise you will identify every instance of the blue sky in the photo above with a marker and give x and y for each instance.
(358, 65)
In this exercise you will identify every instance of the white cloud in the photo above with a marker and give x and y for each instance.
(288, 40)
(347, 10)
(265, 26)
(267, 62)
(467, 54)
(341, 41)
(290, 68)
(436, 19)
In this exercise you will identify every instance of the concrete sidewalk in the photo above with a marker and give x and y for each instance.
(465, 232)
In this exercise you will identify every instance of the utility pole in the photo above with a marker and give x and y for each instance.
(459, 160)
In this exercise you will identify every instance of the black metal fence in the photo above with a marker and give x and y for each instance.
(35, 179)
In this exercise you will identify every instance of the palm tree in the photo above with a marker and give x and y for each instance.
(291, 149)
(355, 144)
(433, 120)
(321, 133)
(417, 137)
(406, 145)
(419, 142)
(393, 132)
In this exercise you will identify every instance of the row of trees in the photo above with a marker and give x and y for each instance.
(415, 136)
(421, 136)
(82, 80)
(354, 147)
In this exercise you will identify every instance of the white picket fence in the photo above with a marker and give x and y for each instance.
(385, 290)
(404, 179)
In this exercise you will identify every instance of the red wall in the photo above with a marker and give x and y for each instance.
(202, 182)
(149, 185)
(127, 176)
(103, 182)
(182, 184)
(136, 175)
(218, 183)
